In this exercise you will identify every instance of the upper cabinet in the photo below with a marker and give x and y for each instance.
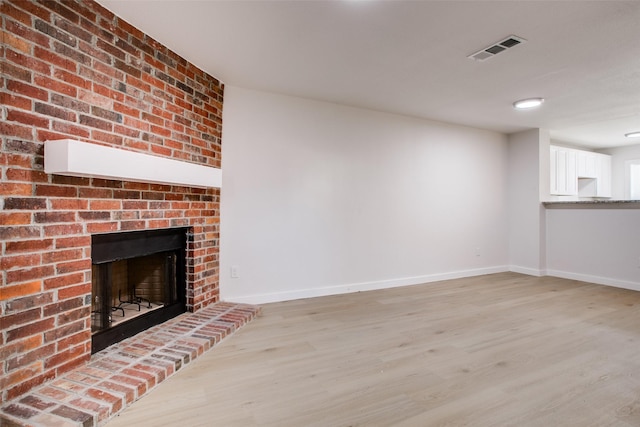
(564, 175)
(579, 173)
(587, 161)
(603, 171)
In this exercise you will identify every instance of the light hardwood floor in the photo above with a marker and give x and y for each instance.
(495, 350)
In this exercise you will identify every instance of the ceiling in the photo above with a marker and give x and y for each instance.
(410, 57)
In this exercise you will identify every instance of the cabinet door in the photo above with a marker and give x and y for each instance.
(603, 169)
(571, 167)
(587, 164)
(563, 167)
(553, 169)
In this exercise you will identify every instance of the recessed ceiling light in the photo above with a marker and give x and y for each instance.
(528, 103)
(633, 134)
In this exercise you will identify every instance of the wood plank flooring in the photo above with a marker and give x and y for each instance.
(496, 350)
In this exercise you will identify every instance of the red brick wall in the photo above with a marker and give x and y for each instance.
(71, 69)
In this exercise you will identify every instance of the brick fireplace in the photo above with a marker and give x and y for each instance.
(73, 70)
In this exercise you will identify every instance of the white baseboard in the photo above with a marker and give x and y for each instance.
(360, 287)
(417, 280)
(634, 286)
(526, 270)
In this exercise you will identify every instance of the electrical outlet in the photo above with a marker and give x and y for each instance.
(234, 272)
(478, 251)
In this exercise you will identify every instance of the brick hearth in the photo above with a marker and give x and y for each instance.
(119, 375)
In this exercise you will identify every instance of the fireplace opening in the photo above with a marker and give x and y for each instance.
(137, 281)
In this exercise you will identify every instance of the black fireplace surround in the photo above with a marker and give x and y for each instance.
(138, 281)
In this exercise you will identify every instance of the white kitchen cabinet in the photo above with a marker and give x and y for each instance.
(579, 173)
(564, 174)
(603, 172)
(587, 162)
(600, 185)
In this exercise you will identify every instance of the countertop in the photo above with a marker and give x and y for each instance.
(593, 204)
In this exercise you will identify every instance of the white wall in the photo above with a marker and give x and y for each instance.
(619, 156)
(528, 184)
(320, 199)
(595, 245)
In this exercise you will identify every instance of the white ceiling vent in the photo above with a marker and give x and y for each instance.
(496, 48)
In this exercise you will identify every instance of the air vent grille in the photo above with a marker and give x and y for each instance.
(496, 48)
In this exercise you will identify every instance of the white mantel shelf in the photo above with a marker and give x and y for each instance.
(77, 158)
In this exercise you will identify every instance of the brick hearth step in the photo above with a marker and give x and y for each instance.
(119, 375)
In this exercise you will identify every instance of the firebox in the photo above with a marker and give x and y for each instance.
(138, 280)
